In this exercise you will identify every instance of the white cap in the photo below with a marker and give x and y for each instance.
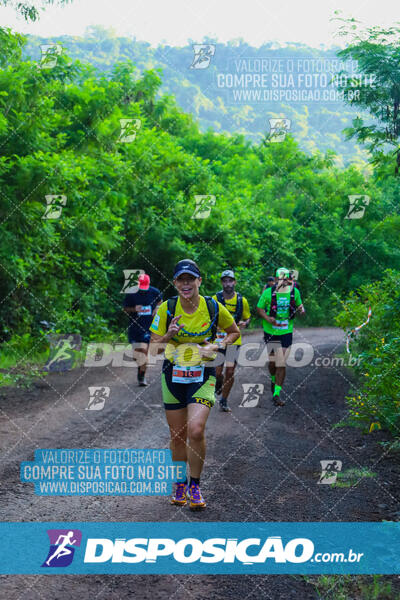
(282, 273)
(228, 273)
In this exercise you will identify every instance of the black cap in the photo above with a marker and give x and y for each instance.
(186, 266)
(271, 278)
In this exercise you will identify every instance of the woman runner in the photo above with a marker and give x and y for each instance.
(188, 384)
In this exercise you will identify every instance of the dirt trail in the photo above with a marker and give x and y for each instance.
(263, 464)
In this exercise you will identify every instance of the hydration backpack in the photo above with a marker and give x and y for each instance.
(212, 311)
(274, 303)
(239, 305)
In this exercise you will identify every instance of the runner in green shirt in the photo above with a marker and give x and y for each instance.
(278, 306)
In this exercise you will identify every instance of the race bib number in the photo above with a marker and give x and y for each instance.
(187, 374)
(221, 335)
(145, 312)
(281, 325)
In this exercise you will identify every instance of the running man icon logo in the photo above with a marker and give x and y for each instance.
(329, 470)
(278, 129)
(50, 54)
(357, 206)
(129, 129)
(54, 206)
(97, 397)
(251, 394)
(131, 284)
(202, 55)
(63, 543)
(203, 207)
(63, 350)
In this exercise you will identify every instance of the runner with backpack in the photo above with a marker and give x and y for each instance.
(278, 306)
(270, 282)
(186, 326)
(239, 309)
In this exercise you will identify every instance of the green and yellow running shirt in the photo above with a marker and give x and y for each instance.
(182, 349)
(231, 306)
(285, 325)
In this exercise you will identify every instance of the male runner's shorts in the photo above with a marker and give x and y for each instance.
(231, 353)
(138, 335)
(285, 340)
(179, 395)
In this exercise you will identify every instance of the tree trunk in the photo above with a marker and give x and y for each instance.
(397, 169)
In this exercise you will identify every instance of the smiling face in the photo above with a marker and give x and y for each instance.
(228, 285)
(187, 285)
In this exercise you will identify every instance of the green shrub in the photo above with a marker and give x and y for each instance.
(375, 400)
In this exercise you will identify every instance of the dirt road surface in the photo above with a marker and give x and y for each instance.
(263, 464)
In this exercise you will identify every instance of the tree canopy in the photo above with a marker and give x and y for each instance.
(29, 10)
(377, 52)
(130, 205)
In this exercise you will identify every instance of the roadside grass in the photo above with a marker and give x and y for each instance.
(350, 477)
(353, 587)
(22, 358)
(391, 446)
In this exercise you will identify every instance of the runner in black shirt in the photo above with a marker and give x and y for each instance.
(141, 308)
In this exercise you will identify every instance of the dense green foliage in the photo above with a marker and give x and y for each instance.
(130, 205)
(316, 125)
(31, 10)
(375, 401)
(377, 52)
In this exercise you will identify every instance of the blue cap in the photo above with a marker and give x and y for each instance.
(186, 266)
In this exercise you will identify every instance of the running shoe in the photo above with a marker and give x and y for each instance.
(179, 497)
(196, 499)
(142, 380)
(278, 401)
(223, 406)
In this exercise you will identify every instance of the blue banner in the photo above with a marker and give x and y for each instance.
(208, 548)
(102, 472)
